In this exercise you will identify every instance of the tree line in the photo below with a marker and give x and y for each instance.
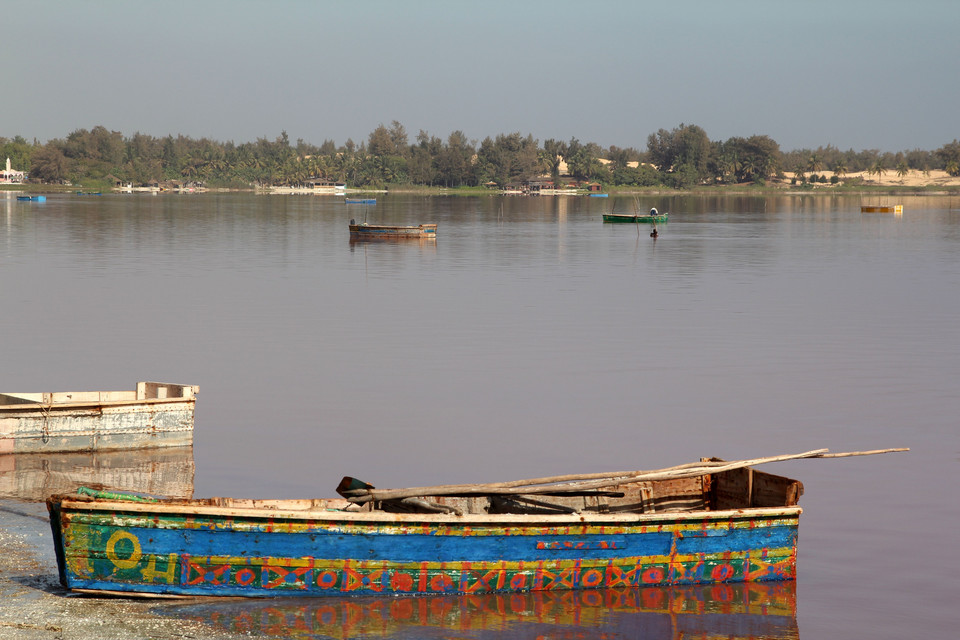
(682, 157)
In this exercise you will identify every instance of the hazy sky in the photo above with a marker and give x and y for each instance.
(859, 74)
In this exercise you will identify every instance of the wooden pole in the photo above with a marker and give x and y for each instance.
(593, 481)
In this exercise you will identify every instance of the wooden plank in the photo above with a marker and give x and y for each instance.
(743, 488)
(587, 482)
(326, 510)
(602, 481)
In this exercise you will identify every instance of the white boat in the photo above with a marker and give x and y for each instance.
(155, 414)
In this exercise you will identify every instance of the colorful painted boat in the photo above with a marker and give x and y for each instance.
(381, 231)
(32, 198)
(634, 218)
(710, 522)
(894, 208)
(155, 414)
(361, 201)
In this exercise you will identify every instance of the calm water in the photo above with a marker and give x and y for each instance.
(531, 339)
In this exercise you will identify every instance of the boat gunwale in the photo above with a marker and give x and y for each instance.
(631, 216)
(358, 228)
(53, 406)
(73, 504)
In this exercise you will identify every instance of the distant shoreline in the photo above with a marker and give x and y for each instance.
(915, 183)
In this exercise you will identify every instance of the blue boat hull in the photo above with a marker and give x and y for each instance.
(165, 550)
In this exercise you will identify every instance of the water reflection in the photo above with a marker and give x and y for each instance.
(727, 611)
(35, 476)
(429, 241)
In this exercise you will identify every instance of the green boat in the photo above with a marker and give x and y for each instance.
(634, 218)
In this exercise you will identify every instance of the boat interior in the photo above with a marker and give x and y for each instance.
(740, 488)
(144, 391)
(734, 489)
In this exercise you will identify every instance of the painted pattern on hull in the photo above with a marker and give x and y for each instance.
(264, 557)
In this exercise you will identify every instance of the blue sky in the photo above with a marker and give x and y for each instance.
(852, 73)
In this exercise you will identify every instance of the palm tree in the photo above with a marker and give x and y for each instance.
(878, 169)
(731, 168)
(902, 170)
(751, 168)
(798, 174)
(840, 169)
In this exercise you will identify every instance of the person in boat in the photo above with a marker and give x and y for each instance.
(653, 211)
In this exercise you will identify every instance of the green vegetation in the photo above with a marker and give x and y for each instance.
(681, 158)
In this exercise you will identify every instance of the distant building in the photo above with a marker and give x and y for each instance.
(321, 185)
(9, 176)
(542, 186)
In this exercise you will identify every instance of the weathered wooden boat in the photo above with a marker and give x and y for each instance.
(32, 198)
(893, 208)
(706, 522)
(360, 201)
(635, 218)
(155, 414)
(381, 231)
(742, 611)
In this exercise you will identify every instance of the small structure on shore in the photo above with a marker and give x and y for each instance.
(10, 176)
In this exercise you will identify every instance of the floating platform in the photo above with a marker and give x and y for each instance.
(893, 208)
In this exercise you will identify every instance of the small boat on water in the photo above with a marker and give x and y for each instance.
(361, 201)
(364, 231)
(634, 218)
(155, 414)
(32, 198)
(700, 523)
(893, 208)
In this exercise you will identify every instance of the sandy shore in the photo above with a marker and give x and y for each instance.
(889, 178)
(33, 605)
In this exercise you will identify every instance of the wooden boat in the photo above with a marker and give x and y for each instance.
(155, 414)
(894, 208)
(382, 231)
(634, 218)
(361, 201)
(706, 522)
(32, 198)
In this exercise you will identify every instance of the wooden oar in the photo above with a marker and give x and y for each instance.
(577, 483)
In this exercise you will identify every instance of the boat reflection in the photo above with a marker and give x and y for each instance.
(35, 476)
(426, 241)
(757, 610)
